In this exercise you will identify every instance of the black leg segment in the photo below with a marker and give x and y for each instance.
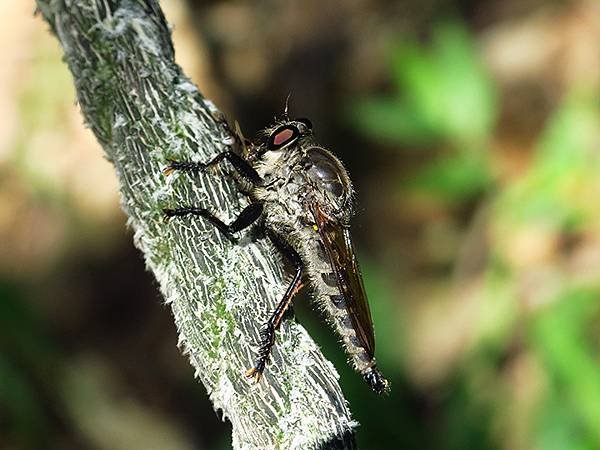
(246, 218)
(242, 166)
(268, 331)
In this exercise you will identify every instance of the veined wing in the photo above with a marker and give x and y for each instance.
(340, 250)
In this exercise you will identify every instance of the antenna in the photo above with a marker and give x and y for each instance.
(287, 104)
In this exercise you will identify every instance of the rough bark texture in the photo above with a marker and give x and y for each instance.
(143, 110)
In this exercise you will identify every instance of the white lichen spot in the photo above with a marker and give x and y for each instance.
(140, 27)
(187, 86)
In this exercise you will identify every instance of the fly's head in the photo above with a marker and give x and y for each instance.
(280, 140)
(288, 133)
(325, 181)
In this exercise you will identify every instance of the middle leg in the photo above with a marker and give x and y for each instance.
(246, 218)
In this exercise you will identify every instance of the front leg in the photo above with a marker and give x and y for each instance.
(246, 218)
(268, 331)
(240, 164)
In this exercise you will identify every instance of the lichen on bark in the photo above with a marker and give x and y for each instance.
(143, 110)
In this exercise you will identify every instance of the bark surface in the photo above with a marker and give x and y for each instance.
(143, 110)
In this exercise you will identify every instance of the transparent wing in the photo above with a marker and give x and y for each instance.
(340, 250)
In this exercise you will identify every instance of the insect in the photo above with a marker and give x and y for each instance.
(302, 196)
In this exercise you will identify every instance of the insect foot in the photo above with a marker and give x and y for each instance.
(167, 214)
(255, 372)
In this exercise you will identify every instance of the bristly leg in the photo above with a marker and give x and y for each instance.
(245, 169)
(268, 331)
(247, 217)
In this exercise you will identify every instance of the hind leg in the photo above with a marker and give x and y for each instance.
(268, 331)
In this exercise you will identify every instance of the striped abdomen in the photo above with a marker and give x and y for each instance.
(333, 303)
(326, 281)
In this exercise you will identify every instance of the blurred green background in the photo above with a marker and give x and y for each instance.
(472, 132)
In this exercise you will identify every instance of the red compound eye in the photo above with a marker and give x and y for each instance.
(283, 136)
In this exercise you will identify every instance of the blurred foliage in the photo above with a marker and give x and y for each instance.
(442, 93)
(23, 350)
(559, 337)
(442, 97)
(536, 311)
(562, 180)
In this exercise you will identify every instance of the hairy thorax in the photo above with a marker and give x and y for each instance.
(284, 191)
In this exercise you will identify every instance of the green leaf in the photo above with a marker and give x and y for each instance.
(387, 120)
(419, 88)
(559, 338)
(453, 178)
(446, 87)
(443, 94)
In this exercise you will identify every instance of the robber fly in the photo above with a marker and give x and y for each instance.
(302, 197)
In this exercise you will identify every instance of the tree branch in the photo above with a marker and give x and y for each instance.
(143, 110)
